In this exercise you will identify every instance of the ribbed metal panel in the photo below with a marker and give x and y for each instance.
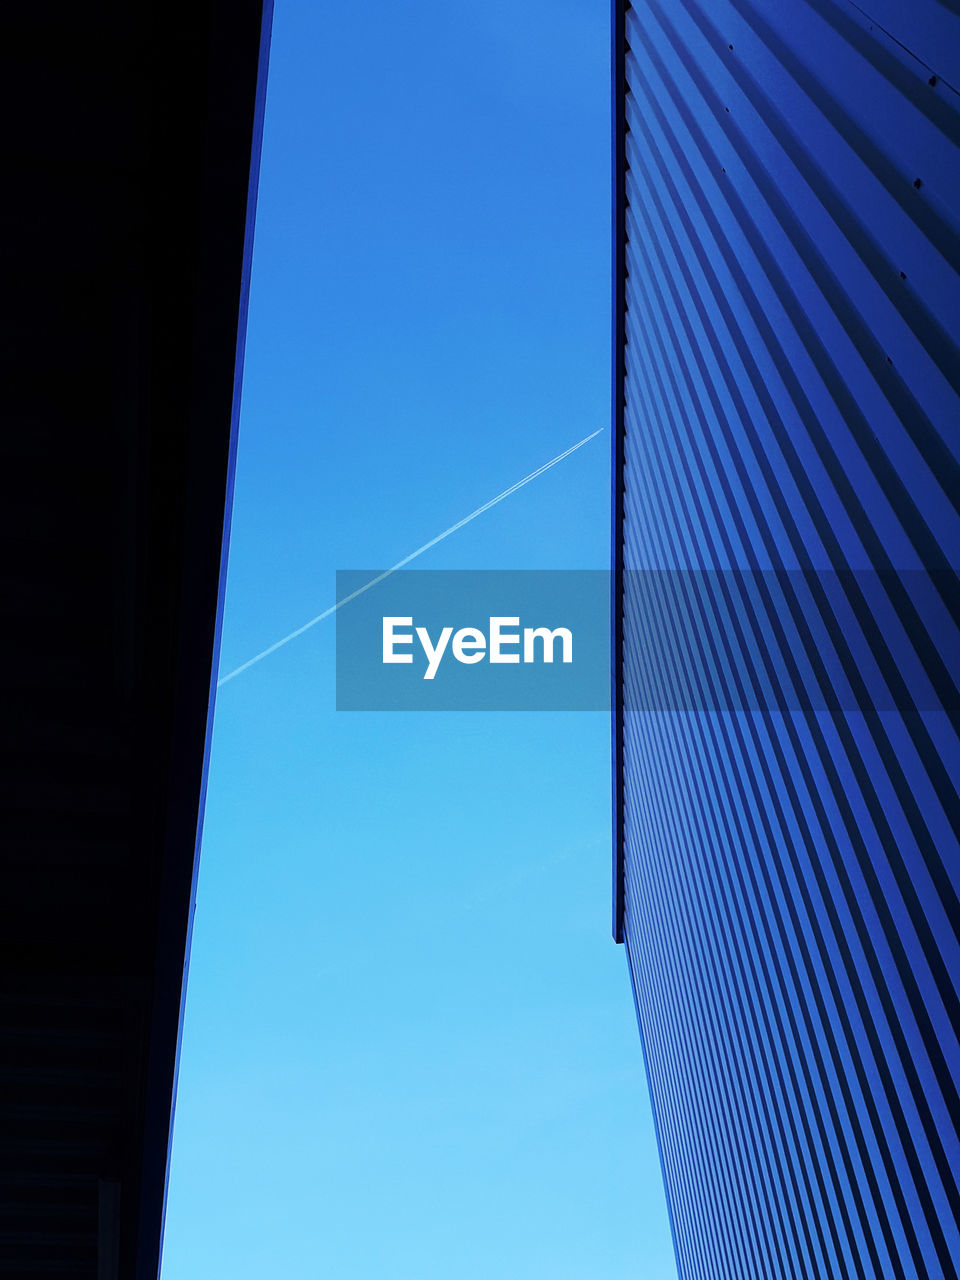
(790, 302)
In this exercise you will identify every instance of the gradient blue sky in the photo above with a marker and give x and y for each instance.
(410, 1050)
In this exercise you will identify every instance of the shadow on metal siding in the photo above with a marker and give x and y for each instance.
(791, 379)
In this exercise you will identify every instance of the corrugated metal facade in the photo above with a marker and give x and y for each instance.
(787, 880)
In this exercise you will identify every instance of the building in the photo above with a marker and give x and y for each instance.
(787, 538)
(132, 137)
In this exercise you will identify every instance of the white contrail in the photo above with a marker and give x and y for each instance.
(222, 680)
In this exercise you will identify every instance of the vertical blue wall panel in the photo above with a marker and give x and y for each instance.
(789, 866)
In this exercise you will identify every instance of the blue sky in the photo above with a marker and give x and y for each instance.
(410, 1049)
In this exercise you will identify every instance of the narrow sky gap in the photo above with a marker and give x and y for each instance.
(278, 644)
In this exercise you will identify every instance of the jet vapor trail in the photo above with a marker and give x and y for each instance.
(222, 680)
